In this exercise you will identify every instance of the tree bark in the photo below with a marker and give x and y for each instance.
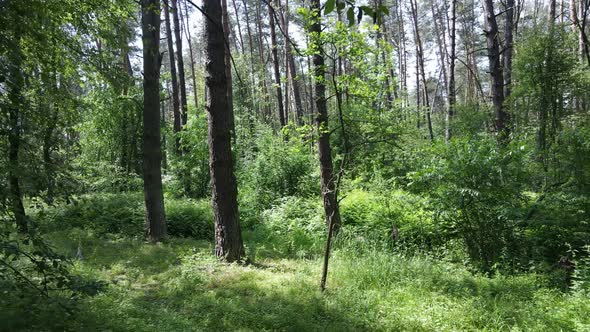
(152, 154)
(451, 86)
(262, 67)
(508, 48)
(228, 238)
(420, 66)
(291, 68)
(330, 198)
(15, 85)
(228, 65)
(275, 62)
(192, 58)
(495, 68)
(331, 207)
(179, 61)
(174, 82)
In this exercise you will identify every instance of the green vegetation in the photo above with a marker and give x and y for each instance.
(347, 166)
(179, 285)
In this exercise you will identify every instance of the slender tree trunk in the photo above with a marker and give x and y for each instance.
(174, 82)
(442, 52)
(192, 57)
(420, 66)
(508, 48)
(47, 148)
(275, 62)
(262, 61)
(228, 66)
(291, 68)
(152, 153)
(15, 85)
(228, 238)
(179, 61)
(495, 69)
(330, 198)
(451, 87)
(331, 207)
(251, 49)
(240, 37)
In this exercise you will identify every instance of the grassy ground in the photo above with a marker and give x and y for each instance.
(179, 286)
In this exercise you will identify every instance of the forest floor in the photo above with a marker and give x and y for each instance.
(179, 286)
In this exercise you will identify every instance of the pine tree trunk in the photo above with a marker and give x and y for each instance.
(495, 69)
(228, 66)
(192, 58)
(228, 239)
(179, 61)
(451, 86)
(15, 98)
(420, 66)
(275, 62)
(174, 82)
(152, 154)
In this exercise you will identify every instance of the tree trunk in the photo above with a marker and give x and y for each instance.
(451, 86)
(275, 62)
(175, 96)
(508, 48)
(152, 154)
(228, 238)
(192, 58)
(262, 62)
(325, 152)
(330, 198)
(420, 66)
(495, 69)
(15, 85)
(228, 65)
(291, 68)
(179, 61)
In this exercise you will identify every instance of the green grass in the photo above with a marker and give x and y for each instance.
(179, 286)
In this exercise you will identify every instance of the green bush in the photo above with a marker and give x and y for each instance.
(278, 169)
(124, 214)
(476, 191)
(293, 227)
(188, 218)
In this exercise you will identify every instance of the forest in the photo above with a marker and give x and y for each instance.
(294, 165)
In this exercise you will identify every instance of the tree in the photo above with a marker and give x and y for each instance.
(275, 62)
(16, 81)
(152, 154)
(175, 95)
(179, 60)
(502, 118)
(420, 66)
(451, 85)
(328, 184)
(228, 237)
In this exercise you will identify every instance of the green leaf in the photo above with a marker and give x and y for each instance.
(350, 16)
(340, 6)
(329, 6)
(383, 9)
(367, 10)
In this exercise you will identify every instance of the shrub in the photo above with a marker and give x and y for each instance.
(293, 227)
(476, 191)
(279, 169)
(124, 214)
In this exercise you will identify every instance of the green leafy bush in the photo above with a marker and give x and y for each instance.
(476, 191)
(124, 214)
(278, 169)
(293, 227)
